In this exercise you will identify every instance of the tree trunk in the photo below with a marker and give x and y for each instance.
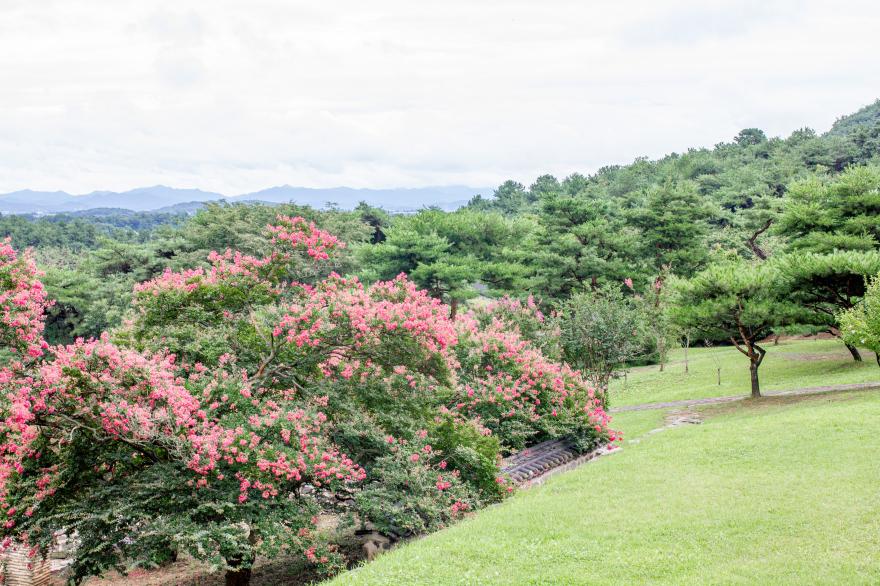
(756, 387)
(756, 355)
(238, 574)
(661, 351)
(238, 577)
(453, 308)
(877, 356)
(687, 344)
(855, 352)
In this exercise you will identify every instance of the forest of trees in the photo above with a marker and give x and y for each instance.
(808, 202)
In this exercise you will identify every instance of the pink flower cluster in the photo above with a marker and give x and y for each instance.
(504, 376)
(291, 236)
(224, 268)
(359, 323)
(23, 303)
(120, 396)
(297, 234)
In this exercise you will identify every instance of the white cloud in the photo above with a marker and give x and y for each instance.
(237, 96)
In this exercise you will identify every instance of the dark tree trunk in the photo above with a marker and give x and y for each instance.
(239, 572)
(752, 242)
(687, 345)
(453, 307)
(877, 356)
(238, 577)
(855, 352)
(756, 356)
(756, 387)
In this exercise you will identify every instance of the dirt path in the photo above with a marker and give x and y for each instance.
(730, 399)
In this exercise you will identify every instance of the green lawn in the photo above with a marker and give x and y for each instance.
(789, 365)
(778, 491)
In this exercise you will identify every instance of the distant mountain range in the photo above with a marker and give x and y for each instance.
(162, 198)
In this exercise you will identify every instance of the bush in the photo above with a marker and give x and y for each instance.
(521, 396)
(413, 491)
(230, 388)
(860, 326)
(600, 331)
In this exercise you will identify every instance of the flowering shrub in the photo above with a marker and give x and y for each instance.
(519, 394)
(22, 304)
(601, 331)
(414, 491)
(369, 329)
(232, 388)
(100, 417)
(526, 318)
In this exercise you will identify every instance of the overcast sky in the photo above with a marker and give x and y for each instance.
(239, 96)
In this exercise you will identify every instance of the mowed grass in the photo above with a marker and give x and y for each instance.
(778, 491)
(789, 365)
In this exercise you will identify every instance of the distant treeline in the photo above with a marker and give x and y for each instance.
(633, 223)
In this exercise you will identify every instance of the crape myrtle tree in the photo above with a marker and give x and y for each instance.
(521, 394)
(234, 390)
(23, 304)
(737, 301)
(860, 325)
(658, 326)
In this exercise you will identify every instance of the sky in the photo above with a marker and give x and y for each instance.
(239, 96)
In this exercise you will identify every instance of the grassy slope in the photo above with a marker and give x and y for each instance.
(790, 365)
(781, 491)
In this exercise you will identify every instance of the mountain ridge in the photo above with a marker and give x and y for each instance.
(158, 197)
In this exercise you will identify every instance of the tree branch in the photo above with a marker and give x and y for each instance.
(752, 241)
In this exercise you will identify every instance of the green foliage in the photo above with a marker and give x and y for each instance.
(580, 241)
(406, 496)
(737, 301)
(822, 215)
(673, 227)
(448, 254)
(824, 284)
(600, 331)
(865, 118)
(723, 298)
(473, 453)
(860, 325)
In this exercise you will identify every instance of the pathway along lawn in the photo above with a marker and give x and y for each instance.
(789, 365)
(779, 491)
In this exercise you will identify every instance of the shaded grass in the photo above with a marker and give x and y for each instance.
(780, 491)
(790, 365)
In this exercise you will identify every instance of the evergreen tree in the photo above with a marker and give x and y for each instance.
(673, 227)
(737, 301)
